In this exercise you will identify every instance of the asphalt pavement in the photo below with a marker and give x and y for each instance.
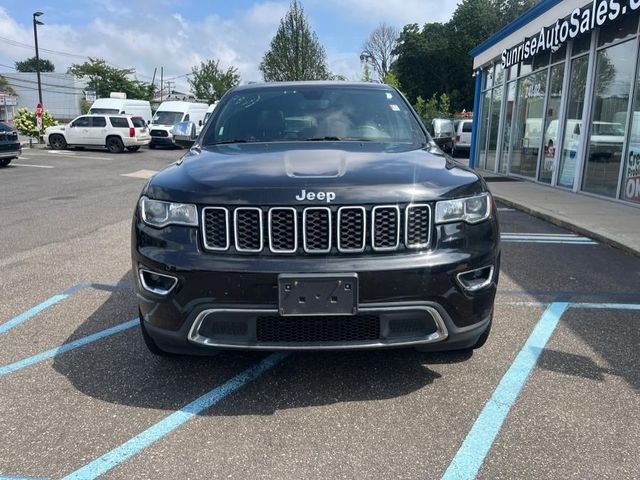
(553, 393)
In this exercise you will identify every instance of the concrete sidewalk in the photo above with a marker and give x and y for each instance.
(608, 222)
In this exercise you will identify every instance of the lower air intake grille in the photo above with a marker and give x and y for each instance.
(347, 328)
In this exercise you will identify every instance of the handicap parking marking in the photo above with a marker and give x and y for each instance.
(144, 174)
(135, 445)
(66, 347)
(471, 455)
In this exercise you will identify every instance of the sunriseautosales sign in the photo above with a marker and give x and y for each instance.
(582, 20)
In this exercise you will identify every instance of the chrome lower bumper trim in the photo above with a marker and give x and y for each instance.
(439, 335)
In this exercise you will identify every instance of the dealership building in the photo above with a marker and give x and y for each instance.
(557, 98)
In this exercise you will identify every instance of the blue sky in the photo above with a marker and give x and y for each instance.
(179, 33)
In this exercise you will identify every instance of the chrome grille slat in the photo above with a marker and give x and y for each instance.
(417, 232)
(247, 237)
(358, 229)
(316, 229)
(283, 230)
(352, 229)
(215, 224)
(385, 228)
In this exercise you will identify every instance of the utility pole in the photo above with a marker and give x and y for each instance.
(168, 82)
(37, 22)
(161, 83)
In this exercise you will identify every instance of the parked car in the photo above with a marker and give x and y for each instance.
(168, 114)
(347, 230)
(122, 106)
(462, 139)
(207, 115)
(9, 144)
(443, 132)
(115, 132)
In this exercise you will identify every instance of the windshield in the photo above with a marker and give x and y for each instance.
(167, 118)
(614, 129)
(315, 113)
(103, 111)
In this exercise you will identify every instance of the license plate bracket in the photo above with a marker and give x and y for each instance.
(317, 294)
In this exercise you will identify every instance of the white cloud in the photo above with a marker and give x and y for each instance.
(398, 12)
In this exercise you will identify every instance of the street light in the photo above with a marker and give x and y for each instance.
(35, 36)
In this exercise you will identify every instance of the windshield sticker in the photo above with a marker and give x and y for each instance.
(389, 95)
(394, 107)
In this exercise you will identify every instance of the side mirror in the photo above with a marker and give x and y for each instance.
(148, 122)
(200, 123)
(184, 134)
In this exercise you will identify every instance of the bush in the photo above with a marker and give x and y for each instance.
(25, 122)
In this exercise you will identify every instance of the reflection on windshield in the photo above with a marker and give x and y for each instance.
(104, 111)
(318, 113)
(167, 118)
(600, 128)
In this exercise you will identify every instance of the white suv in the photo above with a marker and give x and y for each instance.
(462, 139)
(115, 132)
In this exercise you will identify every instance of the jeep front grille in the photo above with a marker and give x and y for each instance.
(317, 230)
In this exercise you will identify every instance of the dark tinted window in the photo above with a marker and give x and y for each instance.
(82, 122)
(138, 122)
(5, 128)
(119, 122)
(467, 127)
(98, 122)
(186, 118)
(315, 112)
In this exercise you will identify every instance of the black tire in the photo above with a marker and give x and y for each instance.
(134, 148)
(152, 346)
(57, 142)
(115, 145)
(152, 146)
(5, 161)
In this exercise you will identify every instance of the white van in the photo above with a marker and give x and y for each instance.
(207, 115)
(170, 113)
(122, 106)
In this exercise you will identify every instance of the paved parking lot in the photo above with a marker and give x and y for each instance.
(553, 394)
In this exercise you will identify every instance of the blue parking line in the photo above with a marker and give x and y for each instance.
(8, 325)
(474, 449)
(81, 342)
(135, 445)
(607, 306)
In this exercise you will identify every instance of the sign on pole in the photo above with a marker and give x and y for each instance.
(39, 123)
(90, 95)
(39, 110)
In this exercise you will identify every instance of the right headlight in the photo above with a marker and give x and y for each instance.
(470, 209)
(160, 214)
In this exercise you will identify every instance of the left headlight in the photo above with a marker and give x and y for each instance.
(160, 214)
(470, 209)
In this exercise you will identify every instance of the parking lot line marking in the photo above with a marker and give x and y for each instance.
(80, 342)
(30, 165)
(609, 306)
(135, 445)
(474, 449)
(40, 307)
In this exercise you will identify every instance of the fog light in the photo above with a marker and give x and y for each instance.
(155, 282)
(474, 280)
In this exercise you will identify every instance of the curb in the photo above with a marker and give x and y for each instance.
(568, 225)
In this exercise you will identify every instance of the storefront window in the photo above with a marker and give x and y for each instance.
(581, 44)
(527, 138)
(614, 74)
(560, 54)
(551, 124)
(498, 75)
(626, 27)
(575, 105)
(496, 101)
(484, 123)
(506, 129)
(631, 183)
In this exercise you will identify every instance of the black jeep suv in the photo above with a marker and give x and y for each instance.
(315, 215)
(9, 144)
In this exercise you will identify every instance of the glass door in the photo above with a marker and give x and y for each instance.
(550, 143)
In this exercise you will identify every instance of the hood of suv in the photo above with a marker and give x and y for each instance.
(312, 174)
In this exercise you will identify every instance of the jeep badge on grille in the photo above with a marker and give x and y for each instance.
(304, 195)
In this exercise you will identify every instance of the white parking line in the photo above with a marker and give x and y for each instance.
(145, 174)
(29, 165)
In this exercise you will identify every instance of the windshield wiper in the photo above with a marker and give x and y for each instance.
(235, 140)
(322, 139)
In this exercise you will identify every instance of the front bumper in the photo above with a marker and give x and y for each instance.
(162, 141)
(229, 301)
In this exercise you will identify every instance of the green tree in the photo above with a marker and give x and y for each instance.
(209, 82)
(366, 73)
(30, 64)
(104, 79)
(392, 79)
(295, 52)
(5, 87)
(26, 123)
